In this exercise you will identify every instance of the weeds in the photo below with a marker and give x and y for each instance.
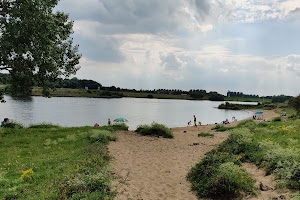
(205, 135)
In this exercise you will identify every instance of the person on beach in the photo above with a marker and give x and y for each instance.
(109, 122)
(189, 123)
(195, 121)
(5, 121)
(199, 123)
(96, 125)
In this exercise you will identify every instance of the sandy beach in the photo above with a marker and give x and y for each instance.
(156, 168)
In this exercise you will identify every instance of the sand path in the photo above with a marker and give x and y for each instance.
(155, 168)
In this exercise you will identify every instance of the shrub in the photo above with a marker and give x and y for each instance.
(220, 174)
(205, 134)
(229, 180)
(240, 142)
(102, 135)
(276, 119)
(155, 129)
(262, 124)
(121, 126)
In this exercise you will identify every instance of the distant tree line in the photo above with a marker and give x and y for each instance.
(76, 83)
(241, 94)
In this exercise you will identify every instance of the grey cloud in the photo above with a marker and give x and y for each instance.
(104, 49)
(170, 62)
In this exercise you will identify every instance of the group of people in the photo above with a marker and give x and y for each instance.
(195, 122)
(225, 122)
(108, 123)
(257, 117)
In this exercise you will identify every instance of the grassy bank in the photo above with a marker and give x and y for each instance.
(274, 146)
(52, 162)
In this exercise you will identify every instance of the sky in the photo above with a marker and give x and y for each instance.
(249, 46)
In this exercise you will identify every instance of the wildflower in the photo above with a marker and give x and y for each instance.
(18, 156)
(27, 173)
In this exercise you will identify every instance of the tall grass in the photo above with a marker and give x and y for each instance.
(52, 162)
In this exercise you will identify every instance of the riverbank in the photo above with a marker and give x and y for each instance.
(156, 168)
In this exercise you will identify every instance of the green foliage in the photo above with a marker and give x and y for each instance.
(214, 96)
(155, 129)
(58, 162)
(295, 103)
(271, 145)
(36, 51)
(205, 135)
(43, 126)
(232, 106)
(276, 119)
(12, 124)
(280, 98)
(220, 175)
(103, 136)
(120, 126)
(220, 128)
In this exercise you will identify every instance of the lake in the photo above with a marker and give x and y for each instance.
(74, 111)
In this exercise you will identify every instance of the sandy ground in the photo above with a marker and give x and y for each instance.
(156, 168)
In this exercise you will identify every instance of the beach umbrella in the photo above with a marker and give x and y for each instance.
(259, 112)
(120, 120)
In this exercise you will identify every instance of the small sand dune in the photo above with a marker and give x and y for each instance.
(155, 168)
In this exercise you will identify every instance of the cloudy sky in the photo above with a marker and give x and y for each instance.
(251, 46)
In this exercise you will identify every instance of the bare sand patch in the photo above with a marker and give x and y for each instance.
(156, 168)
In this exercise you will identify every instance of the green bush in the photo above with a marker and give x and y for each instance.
(240, 142)
(220, 174)
(155, 129)
(121, 126)
(205, 134)
(276, 119)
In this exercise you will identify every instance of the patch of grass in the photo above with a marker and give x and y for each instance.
(60, 163)
(44, 125)
(205, 135)
(155, 129)
(276, 119)
(220, 128)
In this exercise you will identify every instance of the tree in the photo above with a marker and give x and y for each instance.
(35, 44)
(295, 103)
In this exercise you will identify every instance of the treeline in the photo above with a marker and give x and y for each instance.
(76, 83)
(275, 99)
(241, 94)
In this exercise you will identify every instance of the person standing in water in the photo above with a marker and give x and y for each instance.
(195, 121)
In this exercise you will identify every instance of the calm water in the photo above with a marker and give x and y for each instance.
(69, 111)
